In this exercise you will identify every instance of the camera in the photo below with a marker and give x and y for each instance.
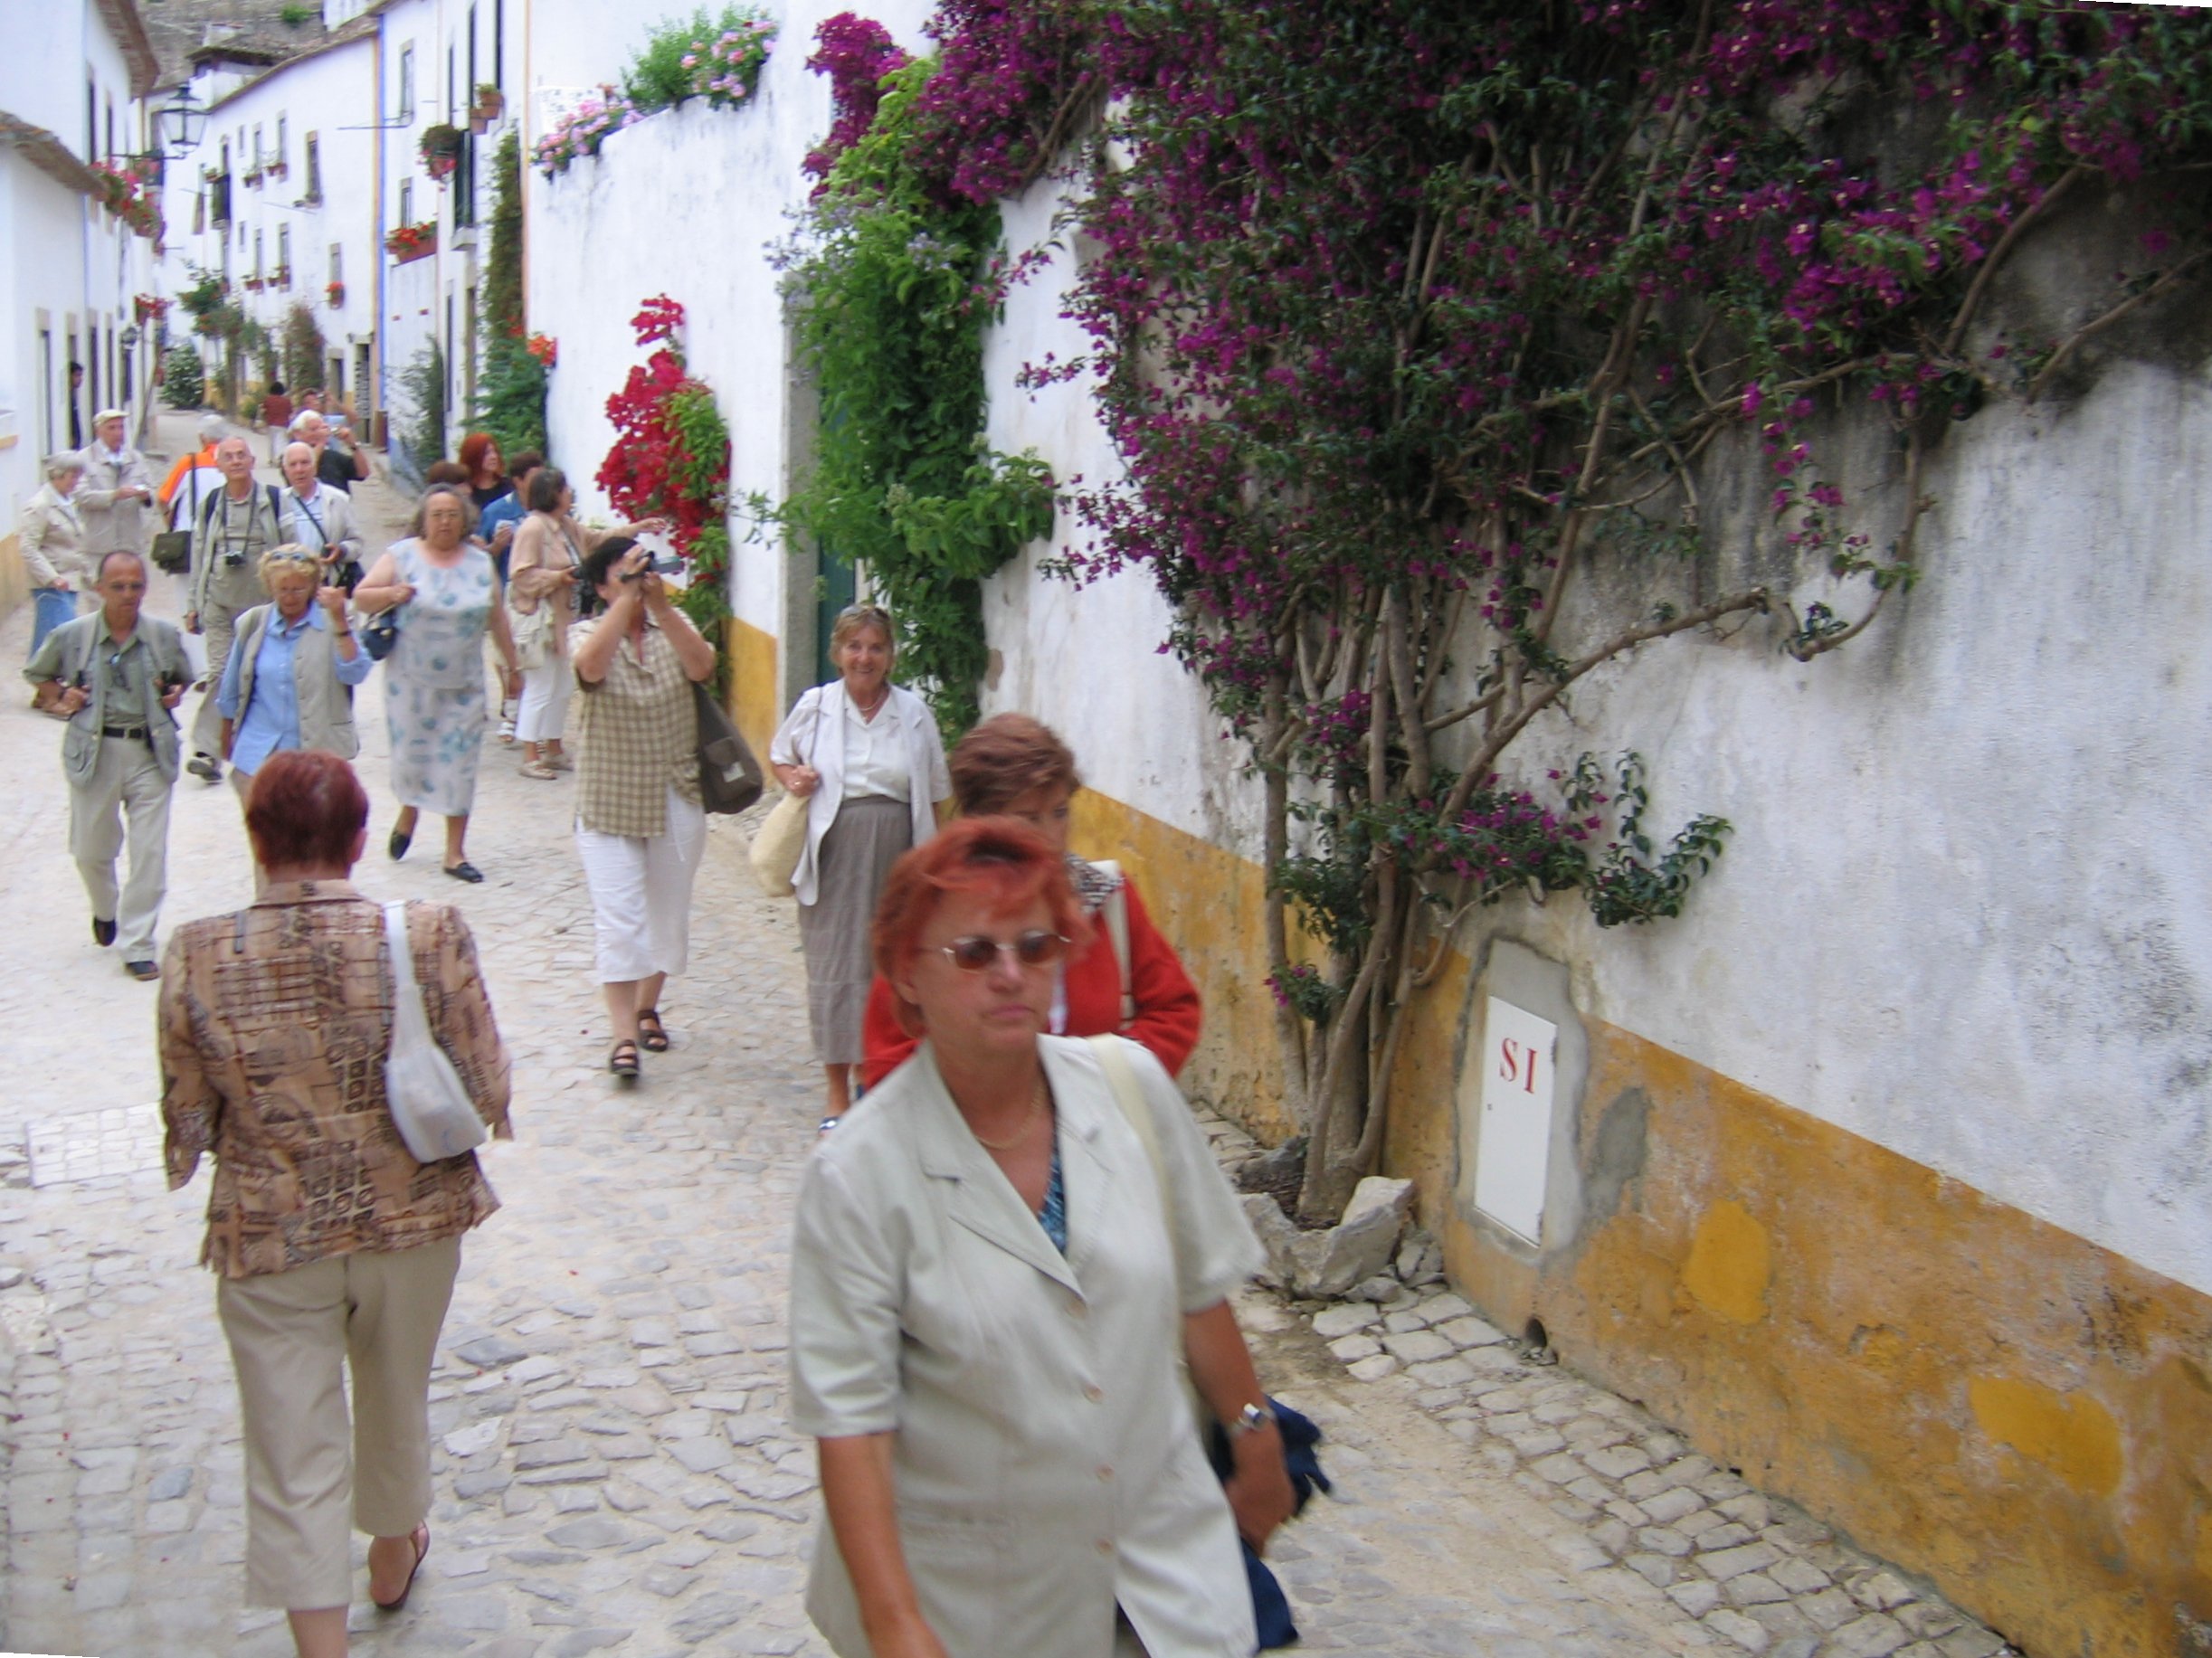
(231, 561)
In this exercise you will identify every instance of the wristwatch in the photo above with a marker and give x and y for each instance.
(1252, 1419)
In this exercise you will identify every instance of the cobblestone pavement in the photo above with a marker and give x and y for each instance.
(612, 1470)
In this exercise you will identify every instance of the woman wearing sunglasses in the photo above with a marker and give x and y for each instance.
(1000, 1259)
(1130, 981)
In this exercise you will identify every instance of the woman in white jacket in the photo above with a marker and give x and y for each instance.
(866, 757)
(998, 1264)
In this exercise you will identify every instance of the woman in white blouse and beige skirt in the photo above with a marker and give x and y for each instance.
(866, 757)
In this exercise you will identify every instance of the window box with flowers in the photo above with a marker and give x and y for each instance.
(253, 178)
(334, 292)
(276, 169)
(122, 192)
(149, 308)
(441, 149)
(411, 242)
(283, 277)
(254, 284)
(489, 106)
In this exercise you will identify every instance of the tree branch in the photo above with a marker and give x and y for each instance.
(2089, 330)
(2013, 232)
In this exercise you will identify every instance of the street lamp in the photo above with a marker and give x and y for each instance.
(179, 123)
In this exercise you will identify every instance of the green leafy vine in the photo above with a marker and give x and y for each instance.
(891, 288)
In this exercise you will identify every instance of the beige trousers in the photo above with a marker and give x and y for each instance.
(291, 1335)
(124, 804)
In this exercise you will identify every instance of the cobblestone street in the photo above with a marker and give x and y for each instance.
(613, 1472)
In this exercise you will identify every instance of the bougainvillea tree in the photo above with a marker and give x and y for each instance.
(671, 459)
(1438, 338)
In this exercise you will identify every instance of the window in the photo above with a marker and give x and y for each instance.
(257, 149)
(314, 168)
(284, 256)
(281, 145)
(199, 213)
(92, 118)
(338, 264)
(110, 129)
(406, 200)
(257, 253)
(406, 86)
(498, 43)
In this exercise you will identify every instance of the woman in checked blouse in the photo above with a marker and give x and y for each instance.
(640, 828)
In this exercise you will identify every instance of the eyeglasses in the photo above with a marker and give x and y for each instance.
(976, 953)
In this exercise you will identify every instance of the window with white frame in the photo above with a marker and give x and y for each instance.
(407, 85)
(284, 255)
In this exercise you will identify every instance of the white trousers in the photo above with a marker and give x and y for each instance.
(640, 889)
(125, 801)
(546, 691)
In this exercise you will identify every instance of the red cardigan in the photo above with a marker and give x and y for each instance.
(1167, 1010)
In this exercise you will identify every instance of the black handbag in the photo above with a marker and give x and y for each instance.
(729, 774)
(172, 554)
(380, 633)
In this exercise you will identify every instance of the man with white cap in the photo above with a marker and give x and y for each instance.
(117, 487)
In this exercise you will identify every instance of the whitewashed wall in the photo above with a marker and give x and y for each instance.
(1963, 914)
(331, 95)
(61, 254)
(1150, 742)
(684, 203)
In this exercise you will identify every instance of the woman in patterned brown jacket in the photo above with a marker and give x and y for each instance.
(331, 1243)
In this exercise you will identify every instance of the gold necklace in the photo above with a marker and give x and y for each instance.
(1028, 1119)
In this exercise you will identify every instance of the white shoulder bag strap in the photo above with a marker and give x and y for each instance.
(1121, 1078)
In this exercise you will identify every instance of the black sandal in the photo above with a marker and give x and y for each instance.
(625, 1064)
(653, 1038)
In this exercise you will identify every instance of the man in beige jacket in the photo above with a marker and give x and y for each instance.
(112, 499)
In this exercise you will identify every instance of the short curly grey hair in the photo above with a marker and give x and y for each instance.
(62, 465)
(467, 508)
(290, 559)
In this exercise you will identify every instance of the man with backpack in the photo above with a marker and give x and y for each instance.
(238, 522)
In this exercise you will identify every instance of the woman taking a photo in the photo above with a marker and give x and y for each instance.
(993, 1276)
(289, 682)
(1013, 766)
(865, 755)
(434, 680)
(640, 826)
(332, 1247)
(543, 565)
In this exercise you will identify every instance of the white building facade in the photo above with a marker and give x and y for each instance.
(71, 270)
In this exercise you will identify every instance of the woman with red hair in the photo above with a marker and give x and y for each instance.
(486, 466)
(1130, 981)
(1001, 1256)
(333, 1248)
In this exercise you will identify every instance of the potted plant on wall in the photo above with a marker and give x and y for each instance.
(334, 292)
(441, 149)
(490, 105)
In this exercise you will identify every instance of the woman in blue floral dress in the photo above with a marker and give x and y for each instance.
(434, 700)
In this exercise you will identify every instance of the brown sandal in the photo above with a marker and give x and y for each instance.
(420, 1537)
(622, 1060)
(653, 1037)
